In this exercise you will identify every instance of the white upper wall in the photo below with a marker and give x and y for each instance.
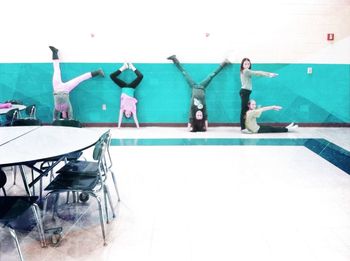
(272, 31)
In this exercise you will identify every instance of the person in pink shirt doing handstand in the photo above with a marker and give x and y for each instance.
(61, 89)
(127, 97)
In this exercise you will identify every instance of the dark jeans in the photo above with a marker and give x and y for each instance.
(268, 129)
(245, 96)
(203, 84)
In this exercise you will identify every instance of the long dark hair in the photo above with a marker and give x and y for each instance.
(247, 108)
(243, 60)
(197, 125)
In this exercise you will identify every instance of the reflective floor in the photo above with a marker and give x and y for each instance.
(219, 195)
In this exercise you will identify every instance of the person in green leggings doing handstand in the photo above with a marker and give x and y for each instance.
(198, 118)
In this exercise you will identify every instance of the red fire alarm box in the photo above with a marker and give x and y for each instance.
(330, 37)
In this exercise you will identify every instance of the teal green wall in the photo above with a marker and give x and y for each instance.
(322, 97)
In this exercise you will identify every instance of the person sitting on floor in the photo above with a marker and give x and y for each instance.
(253, 113)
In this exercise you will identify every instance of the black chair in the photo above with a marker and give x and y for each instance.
(3, 180)
(13, 207)
(31, 111)
(27, 122)
(87, 177)
(11, 116)
(67, 123)
(75, 166)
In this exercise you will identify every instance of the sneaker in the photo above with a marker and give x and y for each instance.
(246, 131)
(293, 128)
(53, 49)
(290, 125)
(101, 72)
(131, 66)
(172, 57)
(226, 62)
(125, 66)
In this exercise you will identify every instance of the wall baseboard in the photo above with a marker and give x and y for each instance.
(115, 125)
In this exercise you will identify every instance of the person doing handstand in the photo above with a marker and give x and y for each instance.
(61, 90)
(198, 117)
(127, 97)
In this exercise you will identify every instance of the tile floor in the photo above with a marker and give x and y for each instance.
(209, 202)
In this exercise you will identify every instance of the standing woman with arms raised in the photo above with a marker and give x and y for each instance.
(246, 89)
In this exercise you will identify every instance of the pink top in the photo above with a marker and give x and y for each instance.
(5, 105)
(128, 103)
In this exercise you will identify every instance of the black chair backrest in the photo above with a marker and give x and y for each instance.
(27, 122)
(67, 123)
(11, 116)
(31, 111)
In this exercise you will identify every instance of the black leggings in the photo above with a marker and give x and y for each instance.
(121, 83)
(268, 129)
(245, 94)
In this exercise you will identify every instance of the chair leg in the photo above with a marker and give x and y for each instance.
(55, 203)
(110, 169)
(39, 224)
(67, 199)
(43, 213)
(46, 198)
(41, 189)
(75, 196)
(24, 178)
(32, 180)
(106, 205)
(101, 217)
(14, 174)
(109, 200)
(13, 234)
(115, 184)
